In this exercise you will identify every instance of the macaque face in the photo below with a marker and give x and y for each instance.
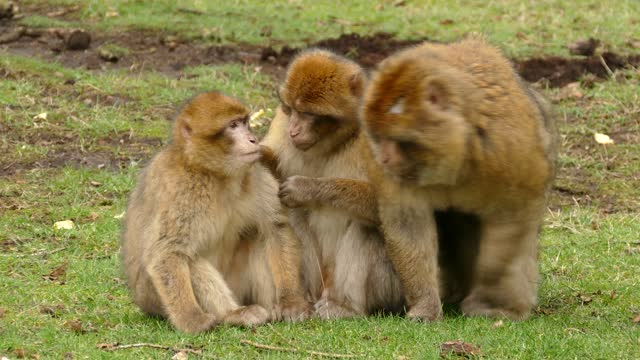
(306, 129)
(245, 146)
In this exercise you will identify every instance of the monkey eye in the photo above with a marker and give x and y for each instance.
(408, 146)
(286, 109)
(233, 125)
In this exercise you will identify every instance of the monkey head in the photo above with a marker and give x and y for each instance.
(213, 131)
(415, 116)
(321, 95)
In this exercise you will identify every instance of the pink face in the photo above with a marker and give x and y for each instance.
(245, 145)
(301, 129)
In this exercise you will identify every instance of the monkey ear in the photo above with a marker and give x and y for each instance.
(356, 84)
(185, 128)
(438, 94)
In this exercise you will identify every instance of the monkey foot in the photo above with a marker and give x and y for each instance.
(329, 309)
(248, 316)
(195, 323)
(472, 306)
(427, 310)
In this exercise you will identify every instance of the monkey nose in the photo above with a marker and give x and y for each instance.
(294, 133)
(253, 140)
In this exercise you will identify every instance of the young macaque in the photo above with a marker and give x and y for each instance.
(205, 238)
(316, 141)
(456, 134)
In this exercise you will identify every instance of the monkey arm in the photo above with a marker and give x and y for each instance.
(356, 197)
(412, 245)
(270, 160)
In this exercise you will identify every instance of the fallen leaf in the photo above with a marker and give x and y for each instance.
(52, 310)
(94, 216)
(458, 348)
(571, 90)
(446, 22)
(119, 216)
(636, 319)
(603, 139)
(95, 183)
(585, 47)
(584, 300)
(74, 325)
(497, 324)
(42, 116)
(64, 224)
(20, 353)
(69, 356)
(104, 346)
(111, 14)
(57, 272)
(180, 355)
(2, 312)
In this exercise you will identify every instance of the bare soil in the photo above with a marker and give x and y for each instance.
(165, 53)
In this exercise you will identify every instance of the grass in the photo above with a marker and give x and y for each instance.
(81, 162)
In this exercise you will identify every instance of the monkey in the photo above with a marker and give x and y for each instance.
(463, 149)
(206, 240)
(316, 142)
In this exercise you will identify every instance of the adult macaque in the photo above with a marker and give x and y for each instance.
(321, 152)
(455, 130)
(205, 238)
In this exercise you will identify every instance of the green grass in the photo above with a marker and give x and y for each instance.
(590, 248)
(521, 27)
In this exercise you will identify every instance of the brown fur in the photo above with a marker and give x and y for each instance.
(205, 239)
(317, 139)
(456, 131)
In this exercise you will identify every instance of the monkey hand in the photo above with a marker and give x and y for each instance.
(248, 316)
(427, 309)
(195, 323)
(297, 191)
(293, 311)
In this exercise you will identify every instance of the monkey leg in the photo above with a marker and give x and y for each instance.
(411, 243)
(505, 274)
(347, 297)
(171, 278)
(283, 290)
(215, 296)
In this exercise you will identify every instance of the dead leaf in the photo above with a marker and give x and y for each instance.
(74, 325)
(52, 310)
(41, 116)
(603, 139)
(180, 355)
(584, 299)
(20, 353)
(95, 183)
(2, 312)
(57, 272)
(94, 216)
(68, 356)
(636, 319)
(119, 216)
(111, 14)
(584, 47)
(458, 348)
(571, 90)
(106, 346)
(497, 324)
(446, 22)
(520, 35)
(63, 225)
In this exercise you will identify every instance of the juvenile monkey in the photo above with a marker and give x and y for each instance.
(205, 238)
(455, 130)
(320, 149)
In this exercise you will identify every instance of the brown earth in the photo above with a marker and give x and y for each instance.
(168, 54)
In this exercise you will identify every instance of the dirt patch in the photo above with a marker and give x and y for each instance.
(112, 153)
(146, 50)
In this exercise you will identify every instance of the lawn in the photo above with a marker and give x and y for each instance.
(76, 128)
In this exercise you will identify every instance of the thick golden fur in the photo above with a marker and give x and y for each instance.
(205, 239)
(456, 131)
(334, 211)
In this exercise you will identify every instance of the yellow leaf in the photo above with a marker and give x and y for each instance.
(603, 139)
(42, 116)
(65, 224)
(119, 216)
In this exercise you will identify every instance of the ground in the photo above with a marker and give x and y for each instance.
(76, 126)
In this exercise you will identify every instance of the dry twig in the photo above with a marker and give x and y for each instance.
(116, 346)
(296, 350)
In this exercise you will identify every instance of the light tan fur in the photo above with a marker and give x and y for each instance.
(455, 131)
(205, 238)
(321, 153)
